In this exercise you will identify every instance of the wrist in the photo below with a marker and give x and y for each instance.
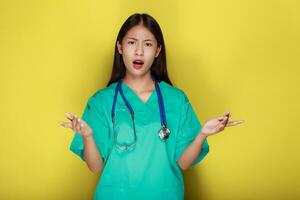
(202, 135)
(88, 135)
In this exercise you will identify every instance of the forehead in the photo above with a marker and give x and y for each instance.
(139, 32)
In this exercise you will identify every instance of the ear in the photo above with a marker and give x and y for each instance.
(119, 46)
(158, 51)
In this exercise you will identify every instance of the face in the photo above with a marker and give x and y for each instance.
(138, 49)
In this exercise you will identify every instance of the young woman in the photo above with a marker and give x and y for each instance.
(140, 131)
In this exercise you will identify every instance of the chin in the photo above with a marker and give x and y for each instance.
(141, 72)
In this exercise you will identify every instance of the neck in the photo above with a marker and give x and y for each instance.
(139, 84)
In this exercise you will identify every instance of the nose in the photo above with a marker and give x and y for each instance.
(139, 49)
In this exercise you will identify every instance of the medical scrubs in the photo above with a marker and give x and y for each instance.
(150, 170)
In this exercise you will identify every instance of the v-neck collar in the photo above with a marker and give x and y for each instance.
(136, 103)
(128, 89)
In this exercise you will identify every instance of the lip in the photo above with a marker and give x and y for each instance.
(138, 60)
(137, 66)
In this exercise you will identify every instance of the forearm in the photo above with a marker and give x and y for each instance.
(92, 156)
(191, 153)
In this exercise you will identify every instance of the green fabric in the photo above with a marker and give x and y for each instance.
(150, 170)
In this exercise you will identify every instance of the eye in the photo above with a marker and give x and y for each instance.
(149, 44)
(130, 42)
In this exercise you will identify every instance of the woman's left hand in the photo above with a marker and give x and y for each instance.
(218, 124)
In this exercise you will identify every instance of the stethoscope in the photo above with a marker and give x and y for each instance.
(163, 133)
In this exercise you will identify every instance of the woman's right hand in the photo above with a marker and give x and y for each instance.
(77, 125)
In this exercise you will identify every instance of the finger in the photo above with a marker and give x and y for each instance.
(74, 123)
(225, 120)
(227, 113)
(233, 123)
(239, 122)
(62, 123)
(66, 124)
(222, 118)
(69, 116)
(228, 117)
(226, 123)
(78, 124)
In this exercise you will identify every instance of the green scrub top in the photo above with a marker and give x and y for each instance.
(150, 170)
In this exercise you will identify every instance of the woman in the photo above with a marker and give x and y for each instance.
(140, 131)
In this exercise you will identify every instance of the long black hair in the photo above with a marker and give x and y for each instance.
(159, 66)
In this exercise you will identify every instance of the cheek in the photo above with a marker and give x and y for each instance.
(150, 51)
(127, 55)
(129, 50)
(149, 55)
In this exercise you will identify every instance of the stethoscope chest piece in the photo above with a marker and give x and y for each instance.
(164, 133)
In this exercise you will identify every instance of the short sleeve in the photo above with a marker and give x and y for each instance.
(93, 115)
(189, 128)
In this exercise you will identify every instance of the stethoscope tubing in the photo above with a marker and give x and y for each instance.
(160, 104)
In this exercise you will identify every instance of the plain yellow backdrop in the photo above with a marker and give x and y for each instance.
(240, 56)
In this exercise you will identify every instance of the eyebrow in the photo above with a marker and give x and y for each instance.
(137, 39)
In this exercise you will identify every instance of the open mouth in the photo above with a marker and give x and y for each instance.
(138, 63)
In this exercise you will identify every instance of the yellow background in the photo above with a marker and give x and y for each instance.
(240, 56)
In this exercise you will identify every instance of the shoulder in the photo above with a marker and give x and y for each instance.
(102, 95)
(173, 91)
